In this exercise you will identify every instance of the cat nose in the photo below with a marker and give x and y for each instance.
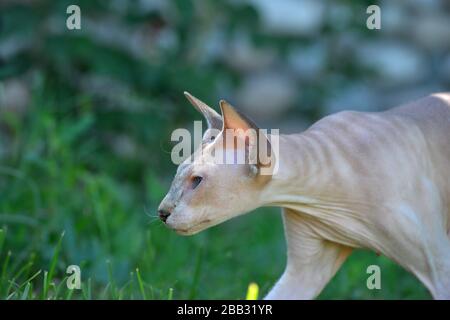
(163, 214)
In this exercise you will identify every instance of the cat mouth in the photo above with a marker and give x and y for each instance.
(193, 229)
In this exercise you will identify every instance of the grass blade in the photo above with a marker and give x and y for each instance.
(55, 257)
(49, 276)
(2, 239)
(197, 271)
(5, 267)
(26, 292)
(141, 284)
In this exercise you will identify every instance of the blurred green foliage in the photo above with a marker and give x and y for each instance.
(95, 163)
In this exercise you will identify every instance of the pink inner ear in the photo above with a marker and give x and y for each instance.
(231, 118)
(235, 122)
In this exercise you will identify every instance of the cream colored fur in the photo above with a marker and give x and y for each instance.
(352, 180)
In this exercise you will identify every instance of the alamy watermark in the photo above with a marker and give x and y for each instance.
(73, 21)
(228, 146)
(74, 279)
(374, 20)
(374, 280)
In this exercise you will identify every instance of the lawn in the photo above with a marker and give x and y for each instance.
(66, 201)
(85, 124)
(155, 263)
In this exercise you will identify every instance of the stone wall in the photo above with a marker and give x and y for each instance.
(331, 53)
(287, 62)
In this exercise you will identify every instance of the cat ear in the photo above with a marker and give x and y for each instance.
(233, 119)
(213, 119)
(259, 148)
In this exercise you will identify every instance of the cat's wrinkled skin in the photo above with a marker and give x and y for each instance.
(352, 180)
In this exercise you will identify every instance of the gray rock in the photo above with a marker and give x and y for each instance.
(242, 55)
(432, 30)
(394, 19)
(308, 62)
(395, 63)
(445, 68)
(345, 44)
(355, 97)
(14, 96)
(397, 97)
(424, 5)
(291, 17)
(210, 45)
(267, 95)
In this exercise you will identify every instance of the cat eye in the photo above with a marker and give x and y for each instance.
(196, 181)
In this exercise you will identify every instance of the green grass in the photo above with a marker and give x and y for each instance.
(72, 194)
(66, 198)
(216, 264)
